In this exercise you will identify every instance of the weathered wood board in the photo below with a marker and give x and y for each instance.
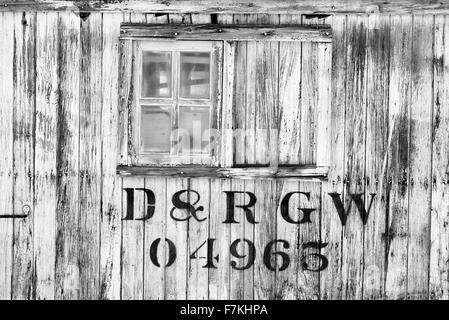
(371, 108)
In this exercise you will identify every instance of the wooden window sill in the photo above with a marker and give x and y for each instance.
(249, 172)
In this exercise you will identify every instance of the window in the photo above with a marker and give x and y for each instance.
(224, 101)
(176, 105)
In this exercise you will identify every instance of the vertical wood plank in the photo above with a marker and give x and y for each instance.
(376, 155)
(6, 157)
(355, 135)
(219, 283)
(110, 221)
(154, 276)
(266, 102)
(228, 114)
(198, 233)
(315, 84)
(331, 279)
(439, 254)
(398, 157)
(420, 158)
(237, 284)
(309, 103)
(290, 83)
(132, 264)
(289, 141)
(308, 281)
(67, 280)
(176, 231)
(264, 232)
(23, 130)
(250, 113)
(47, 97)
(90, 158)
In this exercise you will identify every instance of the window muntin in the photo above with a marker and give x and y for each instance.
(175, 101)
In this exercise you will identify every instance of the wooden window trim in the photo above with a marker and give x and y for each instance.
(135, 155)
(223, 167)
(246, 172)
(241, 32)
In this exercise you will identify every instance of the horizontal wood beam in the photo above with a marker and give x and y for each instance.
(235, 6)
(314, 33)
(282, 172)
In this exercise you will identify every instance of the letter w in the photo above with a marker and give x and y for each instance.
(360, 204)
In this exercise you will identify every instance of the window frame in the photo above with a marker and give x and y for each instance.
(227, 36)
(175, 101)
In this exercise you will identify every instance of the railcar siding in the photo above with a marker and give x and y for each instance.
(61, 110)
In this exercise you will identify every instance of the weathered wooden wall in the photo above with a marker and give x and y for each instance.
(58, 136)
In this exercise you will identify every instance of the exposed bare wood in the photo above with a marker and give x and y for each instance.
(6, 157)
(110, 222)
(238, 32)
(439, 254)
(177, 232)
(67, 269)
(378, 54)
(219, 278)
(355, 137)
(90, 154)
(198, 233)
(45, 153)
(23, 130)
(420, 158)
(237, 173)
(234, 6)
(154, 276)
(289, 141)
(132, 263)
(398, 157)
(264, 232)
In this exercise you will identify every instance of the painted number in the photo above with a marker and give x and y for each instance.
(243, 254)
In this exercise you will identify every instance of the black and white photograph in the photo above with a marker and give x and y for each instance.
(224, 150)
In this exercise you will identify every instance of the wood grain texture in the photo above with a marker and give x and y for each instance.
(377, 65)
(290, 81)
(132, 248)
(388, 136)
(154, 276)
(237, 32)
(331, 280)
(23, 153)
(177, 232)
(235, 6)
(110, 220)
(439, 254)
(67, 280)
(198, 233)
(266, 152)
(398, 157)
(219, 278)
(47, 96)
(420, 158)
(355, 138)
(6, 158)
(90, 154)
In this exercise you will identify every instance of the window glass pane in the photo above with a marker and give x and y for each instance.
(195, 75)
(156, 74)
(155, 129)
(193, 122)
